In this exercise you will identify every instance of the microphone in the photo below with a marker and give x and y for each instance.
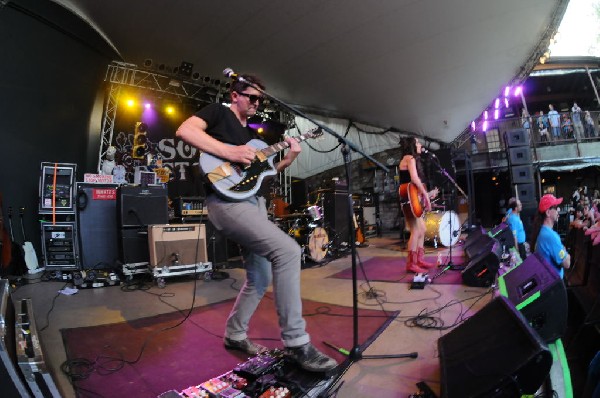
(228, 72)
(427, 152)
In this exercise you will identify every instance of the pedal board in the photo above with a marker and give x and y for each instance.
(94, 278)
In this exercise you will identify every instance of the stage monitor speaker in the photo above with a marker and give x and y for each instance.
(503, 234)
(522, 174)
(519, 155)
(13, 383)
(517, 137)
(537, 290)
(140, 206)
(526, 193)
(177, 244)
(336, 217)
(473, 237)
(477, 244)
(482, 269)
(493, 354)
(134, 245)
(97, 225)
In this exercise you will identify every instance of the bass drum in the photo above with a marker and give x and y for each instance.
(317, 244)
(443, 226)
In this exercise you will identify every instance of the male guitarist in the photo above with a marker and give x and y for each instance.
(412, 193)
(269, 253)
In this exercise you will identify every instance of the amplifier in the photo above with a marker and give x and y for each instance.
(177, 244)
(59, 246)
(191, 206)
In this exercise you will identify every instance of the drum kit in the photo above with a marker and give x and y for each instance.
(442, 227)
(308, 227)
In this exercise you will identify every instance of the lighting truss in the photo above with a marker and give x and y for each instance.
(119, 74)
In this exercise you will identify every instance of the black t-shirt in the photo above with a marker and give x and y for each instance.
(224, 126)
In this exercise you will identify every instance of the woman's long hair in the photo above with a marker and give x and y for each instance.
(408, 146)
(538, 221)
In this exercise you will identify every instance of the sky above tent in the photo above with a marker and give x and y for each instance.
(579, 31)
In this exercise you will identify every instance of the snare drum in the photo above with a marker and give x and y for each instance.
(437, 226)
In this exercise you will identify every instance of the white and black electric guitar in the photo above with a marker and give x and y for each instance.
(234, 181)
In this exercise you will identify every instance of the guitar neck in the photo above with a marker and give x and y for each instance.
(280, 146)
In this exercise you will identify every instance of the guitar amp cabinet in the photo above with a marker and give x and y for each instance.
(177, 244)
(59, 246)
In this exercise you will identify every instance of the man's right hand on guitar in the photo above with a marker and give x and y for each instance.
(244, 154)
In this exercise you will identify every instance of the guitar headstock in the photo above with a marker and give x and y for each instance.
(314, 133)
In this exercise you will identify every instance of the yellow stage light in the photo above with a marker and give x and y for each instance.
(130, 102)
(170, 110)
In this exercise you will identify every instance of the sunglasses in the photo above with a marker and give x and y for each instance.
(252, 97)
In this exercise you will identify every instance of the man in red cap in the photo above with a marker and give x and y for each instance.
(547, 242)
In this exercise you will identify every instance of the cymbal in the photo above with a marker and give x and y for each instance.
(322, 190)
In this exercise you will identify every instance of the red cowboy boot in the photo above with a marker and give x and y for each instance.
(411, 263)
(420, 257)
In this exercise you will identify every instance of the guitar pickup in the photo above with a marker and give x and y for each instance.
(217, 174)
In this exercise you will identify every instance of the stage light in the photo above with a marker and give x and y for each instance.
(130, 102)
(170, 110)
(147, 62)
(139, 140)
(518, 91)
(494, 178)
(506, 102)
(147, 105)
(260, 130)
(485, 115)
(496, 114)
(485, 125)
(196, 75)
(473, 125)
(497, 103)
(506, 91)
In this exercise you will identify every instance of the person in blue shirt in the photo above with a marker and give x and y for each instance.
(515, 223)
(545, 239)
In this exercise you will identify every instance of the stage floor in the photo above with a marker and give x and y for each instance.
(365, 378)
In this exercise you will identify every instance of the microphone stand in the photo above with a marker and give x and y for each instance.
(355, 354)
(450, 264)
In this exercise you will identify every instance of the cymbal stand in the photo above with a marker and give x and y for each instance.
(355, 353)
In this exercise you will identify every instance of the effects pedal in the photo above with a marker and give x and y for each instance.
(420, 280)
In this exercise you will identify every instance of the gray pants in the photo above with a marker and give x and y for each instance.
(269, 253)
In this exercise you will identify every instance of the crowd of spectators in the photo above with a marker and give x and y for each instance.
(555, 126)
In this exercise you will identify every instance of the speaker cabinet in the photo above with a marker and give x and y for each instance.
(97, 222)
(536, 289)
(142, 206)
(520, 155)
(517, 137)
(134, 245)
(503, 234)
(493, 354)
(482, 269)
(336, 216)
(526, 193)
(477, 243)
(522, 174)
(177, 244)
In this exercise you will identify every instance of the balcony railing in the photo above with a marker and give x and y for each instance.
(488, 149)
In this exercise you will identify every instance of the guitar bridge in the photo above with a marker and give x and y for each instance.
(219, 173)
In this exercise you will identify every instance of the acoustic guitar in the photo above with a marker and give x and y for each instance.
(410, 196)
(31, 260)
(234, 181)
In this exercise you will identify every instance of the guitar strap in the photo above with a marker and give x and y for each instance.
(54, 194)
